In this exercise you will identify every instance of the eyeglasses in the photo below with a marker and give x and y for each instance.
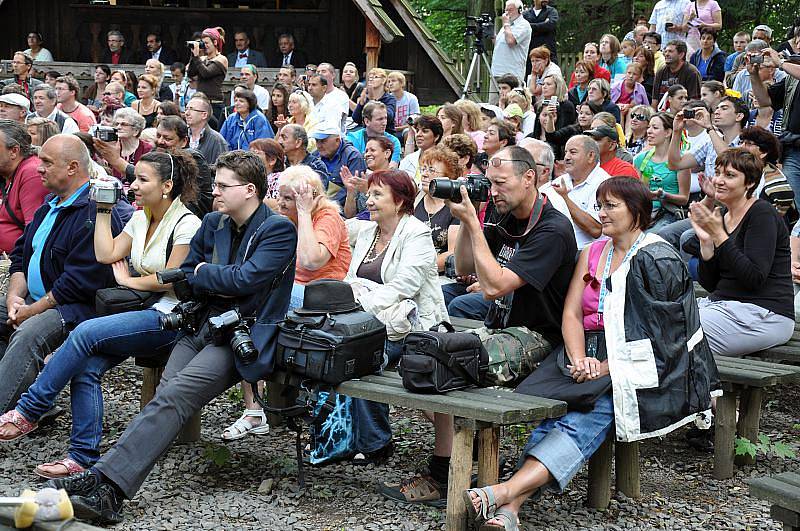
(640, 117)
(222, 187)
(195, 110)
(108, 94)
(122, 124)
(496, 162)
(606, 206)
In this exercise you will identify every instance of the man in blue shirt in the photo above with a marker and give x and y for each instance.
(54, 273)
(335, 153)
(375, 119)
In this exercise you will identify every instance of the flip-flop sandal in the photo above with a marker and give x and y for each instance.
(22, 424)
(509, 519)
(70, 468)
(488, 504)
(243, 428)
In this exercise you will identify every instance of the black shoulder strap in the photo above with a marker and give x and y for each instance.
(172, 236)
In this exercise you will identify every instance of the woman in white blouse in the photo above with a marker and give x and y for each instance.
(156, 238)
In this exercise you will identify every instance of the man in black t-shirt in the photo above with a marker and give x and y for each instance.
(535, 248)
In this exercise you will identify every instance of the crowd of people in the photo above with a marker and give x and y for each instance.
(661, 160)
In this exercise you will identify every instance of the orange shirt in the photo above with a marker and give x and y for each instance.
(331, 232)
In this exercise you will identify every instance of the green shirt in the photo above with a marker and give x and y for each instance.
(656, 174)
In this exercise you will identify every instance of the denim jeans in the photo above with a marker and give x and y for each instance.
(562, 445)
(94, 347)
(371, 419)
(465, 305)
(22, 351)
(791, 168)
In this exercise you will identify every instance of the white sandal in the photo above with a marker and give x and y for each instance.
(242, 426)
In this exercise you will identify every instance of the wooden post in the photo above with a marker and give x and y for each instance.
(749, 419)
(191, 430)
(488, 455)
(460, 469)
(150, 378)
(599, 487)
(725, 434)
(626, 458)
(372, 46)
(278, 396)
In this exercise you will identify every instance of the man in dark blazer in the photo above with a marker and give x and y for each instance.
(155, 50)
(543, 19)
(288, 54)
(245, 255)
(116, 53)
(244, 55)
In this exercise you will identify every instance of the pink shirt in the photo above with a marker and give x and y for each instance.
(591, 292)
(82, 116)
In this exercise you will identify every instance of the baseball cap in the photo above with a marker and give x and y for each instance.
(763, 27)
(513, 110)
(324, 131)
(492, 109)
(603, 130)
(16, 99)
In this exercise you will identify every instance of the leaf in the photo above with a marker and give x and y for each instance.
(783, 450)
(745, 447)
(763, 438)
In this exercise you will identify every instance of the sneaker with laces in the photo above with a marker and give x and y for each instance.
(102, 505)
(81, 484)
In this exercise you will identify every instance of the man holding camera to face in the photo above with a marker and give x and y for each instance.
(238, 280)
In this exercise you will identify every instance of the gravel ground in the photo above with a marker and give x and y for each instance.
(256, 487)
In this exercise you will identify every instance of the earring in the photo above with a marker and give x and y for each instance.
(163, 196)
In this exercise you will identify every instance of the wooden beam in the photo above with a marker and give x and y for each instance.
(372, 45)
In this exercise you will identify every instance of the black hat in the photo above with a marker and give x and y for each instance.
(603, 130)
(327, 296)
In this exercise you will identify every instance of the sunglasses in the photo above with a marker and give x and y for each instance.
(640, 117)
(496, 162)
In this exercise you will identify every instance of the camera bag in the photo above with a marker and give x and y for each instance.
(437, 362)
(331, 348)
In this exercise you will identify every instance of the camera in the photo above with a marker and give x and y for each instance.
(791, 57)
(108, 192)
(199, 44)
(688, 114)
(229, 327)
(551, 101)
(756, 59)
(105, 133)
(482, 161)
(450, 266)
(186, 315)
(477, 188)
(412, 118)
(480, 27)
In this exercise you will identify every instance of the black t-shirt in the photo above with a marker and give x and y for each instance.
(777, 93)
(438, 223)
(545, 260)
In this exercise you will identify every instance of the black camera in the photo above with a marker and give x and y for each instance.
(105, 133)
(450, 266)
(688, 114)
(477, 188)
(482, 161)
(186, 315)
(412, 118)
(229, 327)
(199, 44)
(480, 28)
(756, 59)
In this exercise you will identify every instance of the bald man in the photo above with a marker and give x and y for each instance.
(54, 274)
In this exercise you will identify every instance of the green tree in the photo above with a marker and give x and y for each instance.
(446, 19)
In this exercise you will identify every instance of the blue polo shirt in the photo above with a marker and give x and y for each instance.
(35, 286)
(359, 140)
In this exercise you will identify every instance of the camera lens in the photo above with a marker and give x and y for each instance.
(243, 347)
(171, 321)
(445, 189)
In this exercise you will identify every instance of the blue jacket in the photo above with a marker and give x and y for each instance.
(716, 64)
(266, 251)
(239, 132)
(346, 155)
(313, 161)
(68, 266)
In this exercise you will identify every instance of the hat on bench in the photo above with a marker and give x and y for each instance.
(327, 296)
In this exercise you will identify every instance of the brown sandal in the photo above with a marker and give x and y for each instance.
(16, 419)
(71, 467)
(418, 489)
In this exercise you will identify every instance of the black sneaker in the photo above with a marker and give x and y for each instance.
(102, 506)
(82, 484)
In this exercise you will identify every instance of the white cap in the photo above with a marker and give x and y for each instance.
(18, 100)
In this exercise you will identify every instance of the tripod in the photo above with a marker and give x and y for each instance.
(478, 59)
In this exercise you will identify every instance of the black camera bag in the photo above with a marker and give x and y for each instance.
(437, 362)
(331, 348)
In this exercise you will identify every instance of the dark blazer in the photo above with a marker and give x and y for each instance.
(268, 246)
(299, 59)
(126, 57)
(254, 57)
(166, 57)
(543, 29)
(68, 266)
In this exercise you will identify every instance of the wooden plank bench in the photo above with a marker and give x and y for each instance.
(783, 491)
(7, 523)
(789, 352)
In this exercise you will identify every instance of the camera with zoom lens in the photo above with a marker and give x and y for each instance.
(199, 44)
(186, 315)
(477, 188)
(229, 327)
(104, 133)
(106, 192)
(412, 118)
(480, 27)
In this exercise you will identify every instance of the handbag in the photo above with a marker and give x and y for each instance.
(553, 380)
(437, 362)
(331, 348)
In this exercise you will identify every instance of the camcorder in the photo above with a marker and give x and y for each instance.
(412, 118)
(107, 192)
(231, 328)
(688, 114)
(105, 133)
(477, 187)
(480, 27)
(187, 315)
(199, 44)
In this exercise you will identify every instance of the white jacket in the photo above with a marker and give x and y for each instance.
(408, 270)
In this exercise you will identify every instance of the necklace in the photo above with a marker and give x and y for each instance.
(371, 255)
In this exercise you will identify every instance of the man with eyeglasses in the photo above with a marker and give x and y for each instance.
(202, 137)
(67, 95)
(22, 65)
(523, 264)
(44, 103)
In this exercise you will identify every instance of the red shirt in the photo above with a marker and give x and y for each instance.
(115, 56)
(617, 167)
(25, 196)
(599, 71)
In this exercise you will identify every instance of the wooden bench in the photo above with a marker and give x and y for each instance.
(7, 523)
(789, 352)
(783, 491)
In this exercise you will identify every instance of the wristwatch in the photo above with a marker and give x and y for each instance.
(780, 65)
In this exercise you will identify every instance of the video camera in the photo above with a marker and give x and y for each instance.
(480, 27)
(231, 328)
(186, 315)
(106, 192)
(477, 187)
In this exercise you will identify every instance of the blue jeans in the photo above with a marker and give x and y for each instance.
(791, 168)
(562, 445)
(94, 347)
(465, 305)
(371, 419)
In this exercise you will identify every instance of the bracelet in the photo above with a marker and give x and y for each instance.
(50, 299)
(104, 211)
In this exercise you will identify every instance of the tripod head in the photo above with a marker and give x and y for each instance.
(481, 28)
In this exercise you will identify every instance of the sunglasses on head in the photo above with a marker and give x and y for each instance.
(640, 117)
(496, 162)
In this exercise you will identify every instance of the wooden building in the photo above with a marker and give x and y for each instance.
(386, 33)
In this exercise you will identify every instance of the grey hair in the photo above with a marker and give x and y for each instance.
(298, 132)
(116, 33)
(49, 92)
(589, 146)
(136, 119)
(286, 36)
(546, 151)
(517, 3)
(16, 134)
(756, 45)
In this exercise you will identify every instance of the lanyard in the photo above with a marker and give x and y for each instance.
(607, 271)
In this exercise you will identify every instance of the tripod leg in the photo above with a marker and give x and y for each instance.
(493, 88)
(473, 66)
